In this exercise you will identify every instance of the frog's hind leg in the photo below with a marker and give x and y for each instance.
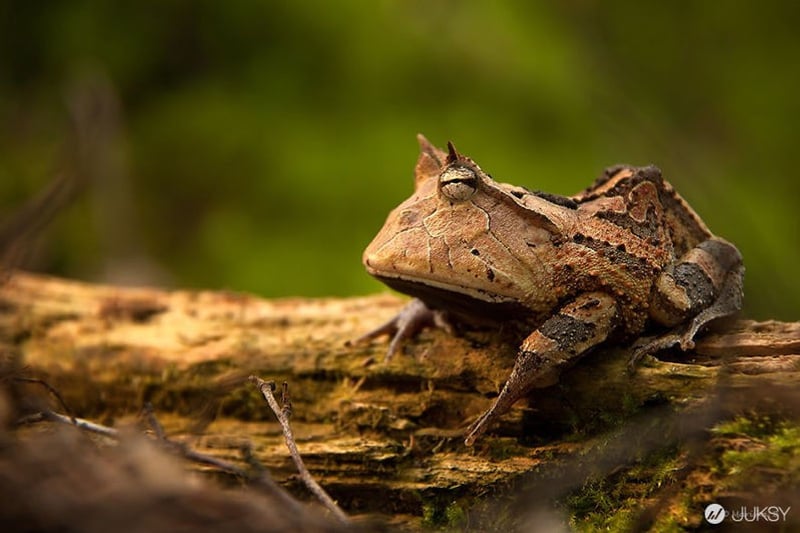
(558, 343)
(705, 285)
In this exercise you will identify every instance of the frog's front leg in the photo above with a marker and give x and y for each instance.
(411, 319)
(558, 343)
(706, 284)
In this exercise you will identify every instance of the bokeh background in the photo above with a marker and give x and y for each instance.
(258, 145)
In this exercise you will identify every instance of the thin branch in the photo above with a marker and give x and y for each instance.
(52, 390)
(262, 480)
(79, 423)
(156, 426)
(266, 388)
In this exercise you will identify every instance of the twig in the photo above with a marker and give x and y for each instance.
(52, 390)
(286, 401)
(262, 480)
(156, 426)
(79, 423)
(266, 388)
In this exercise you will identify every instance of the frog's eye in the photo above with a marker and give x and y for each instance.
(458, 183)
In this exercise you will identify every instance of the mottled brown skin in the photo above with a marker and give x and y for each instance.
(626, 255)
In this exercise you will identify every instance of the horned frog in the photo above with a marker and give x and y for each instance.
(625, 256)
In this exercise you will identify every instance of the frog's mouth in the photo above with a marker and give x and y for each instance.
(463, 302)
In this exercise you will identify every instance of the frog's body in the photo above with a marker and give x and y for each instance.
(600, 265)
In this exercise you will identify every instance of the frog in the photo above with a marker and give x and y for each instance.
(624, 262)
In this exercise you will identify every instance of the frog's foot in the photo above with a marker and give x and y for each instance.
(727, 303)
(407, 324)
(682, 336)
(656, 343)
(479, 427)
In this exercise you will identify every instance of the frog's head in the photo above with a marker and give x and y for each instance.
(461, 240)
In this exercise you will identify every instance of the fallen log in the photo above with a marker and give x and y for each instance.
(383, 437)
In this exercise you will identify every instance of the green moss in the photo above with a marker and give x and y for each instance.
(502, 449)
(648, 361)
(613, 503)
(455, 515)
(762, 452)
(441, 512)
(597, 506)
(630, 404)
(667, 524)
(430, 513)
(751, 426)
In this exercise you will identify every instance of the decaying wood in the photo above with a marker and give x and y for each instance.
(381, 437)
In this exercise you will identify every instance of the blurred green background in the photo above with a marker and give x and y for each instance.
(258, 146)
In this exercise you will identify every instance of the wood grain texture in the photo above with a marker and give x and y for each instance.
(381, 437)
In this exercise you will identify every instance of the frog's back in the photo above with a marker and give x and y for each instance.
(632, 226)
(684, 228)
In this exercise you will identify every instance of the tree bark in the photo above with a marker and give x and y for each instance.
(383, 437)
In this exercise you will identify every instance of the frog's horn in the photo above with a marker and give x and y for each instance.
(452, 154)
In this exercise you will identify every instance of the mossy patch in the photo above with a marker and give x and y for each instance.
(761, 452)
(444, 514)
(613, 503)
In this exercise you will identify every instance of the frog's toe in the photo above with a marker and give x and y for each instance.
(479, 427)
(651, 345)
(687, 342)
(407, 324)
(681, 336)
